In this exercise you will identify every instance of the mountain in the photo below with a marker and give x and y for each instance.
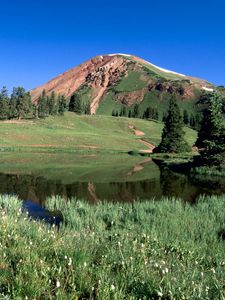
(111, 81)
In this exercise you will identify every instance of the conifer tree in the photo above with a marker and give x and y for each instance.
(22, 104)
(87, 108)
(211, 136)
(42, 105)
(50, 106)
(75, 104)
(136, 111)
(62, 105)
(173, 134)
(4, 104)
(186, 117)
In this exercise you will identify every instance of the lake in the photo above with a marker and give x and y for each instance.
(36, 176)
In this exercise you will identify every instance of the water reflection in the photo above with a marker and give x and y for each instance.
(38, 188)
(37, 212)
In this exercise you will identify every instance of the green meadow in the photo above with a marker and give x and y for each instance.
(80, 133)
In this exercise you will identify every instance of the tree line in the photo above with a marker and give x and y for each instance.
(149, 113)
(18, 105)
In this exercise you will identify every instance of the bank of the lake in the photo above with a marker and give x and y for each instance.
(150, 250)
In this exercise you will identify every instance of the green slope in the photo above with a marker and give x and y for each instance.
(84, 133)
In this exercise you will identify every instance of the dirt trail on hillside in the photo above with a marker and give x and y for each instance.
(143, 142)
(139, 166)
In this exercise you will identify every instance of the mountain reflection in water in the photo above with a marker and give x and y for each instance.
(38, 188)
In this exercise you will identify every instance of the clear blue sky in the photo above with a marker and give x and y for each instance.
(41, 39)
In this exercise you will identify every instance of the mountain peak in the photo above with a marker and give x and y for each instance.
(126, 77)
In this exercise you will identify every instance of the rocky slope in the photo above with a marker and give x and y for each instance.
(120, 79)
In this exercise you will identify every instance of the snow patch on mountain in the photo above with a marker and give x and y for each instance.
(119, 54)
(165, 70)
(207, 89)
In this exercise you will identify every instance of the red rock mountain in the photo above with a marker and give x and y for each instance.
(125, 79)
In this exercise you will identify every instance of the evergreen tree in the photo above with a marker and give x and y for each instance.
(4, 104)
(75, 104)
(50, 106)
(124, 111)
(35, 111)
(186, 117)
(211, 136)
(62, 105)
(136, 111)
(12, 108)
(173, 134)
(23, 104)
(121, 112)
(192, 121)
(164, 117)
(87, 108)
(129, 114)
(42, 105)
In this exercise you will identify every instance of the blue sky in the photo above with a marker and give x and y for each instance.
(41, 39)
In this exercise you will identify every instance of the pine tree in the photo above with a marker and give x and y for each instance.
(164, 117)
(42, 106)
(192, 121)
(12, 108)
(87, 108)
(21, 105)
(185, 117)
(75, 104)
(136, 111)
(173, 134)
(62, 105)
(124, 112)
(211, 136)
(129, 114)
(4, 104)
(50, 106)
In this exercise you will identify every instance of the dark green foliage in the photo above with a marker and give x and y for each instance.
(43, 109)
(123, 111)
(136, 111)
(192, 121)
(173, 134)
(75, 104)
(51, 101)
(62, 103)
(87, 108)
(129, 114)
(4, 104)
(151, 113)
(186, 117)
(211, 136)
(12, 108)
(164, 117)
(21, 103)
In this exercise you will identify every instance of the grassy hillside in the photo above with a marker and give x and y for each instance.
(150, 250)
(84, 133)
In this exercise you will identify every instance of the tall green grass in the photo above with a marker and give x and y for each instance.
(151, 250)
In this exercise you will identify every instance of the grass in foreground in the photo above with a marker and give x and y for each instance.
(151, 250)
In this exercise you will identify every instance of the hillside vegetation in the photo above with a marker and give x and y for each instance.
(81, 133)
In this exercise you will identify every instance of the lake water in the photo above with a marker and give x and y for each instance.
(142, 181)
